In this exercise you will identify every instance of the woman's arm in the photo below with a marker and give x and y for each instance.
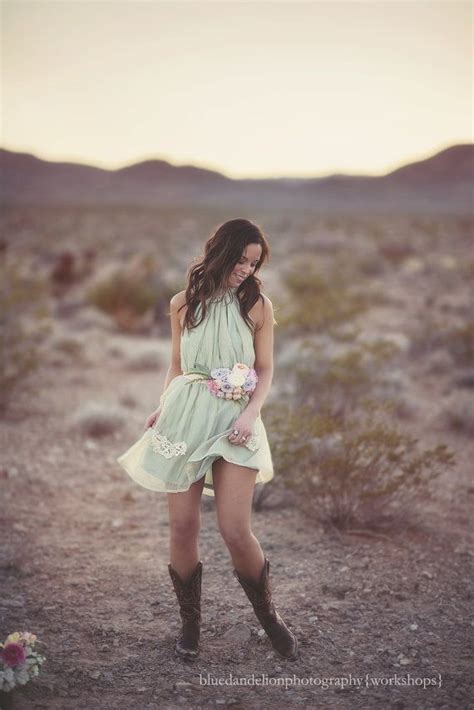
(263, 343)
(174, 368)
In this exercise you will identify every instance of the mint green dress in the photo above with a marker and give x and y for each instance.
(193, 427)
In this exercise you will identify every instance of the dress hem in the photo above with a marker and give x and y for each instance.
(152, 483)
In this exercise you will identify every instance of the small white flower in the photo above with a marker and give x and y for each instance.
(236, 379)
(22, 676)
(240, 367)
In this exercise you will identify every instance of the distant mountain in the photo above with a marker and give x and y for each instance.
(450, 165)
(162, 170)
(440, 184)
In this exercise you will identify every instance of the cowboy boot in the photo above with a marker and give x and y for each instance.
(260, 596)
(189, 598)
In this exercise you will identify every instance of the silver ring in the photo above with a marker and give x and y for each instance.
(236, 431)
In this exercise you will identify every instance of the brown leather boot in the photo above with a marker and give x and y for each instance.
(260, 596)
(189, 598)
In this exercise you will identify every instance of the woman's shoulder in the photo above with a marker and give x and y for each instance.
(262, 308)
(179, 299)
(265, 301)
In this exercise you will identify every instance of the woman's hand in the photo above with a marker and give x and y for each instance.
(152, 418)
(244, 424)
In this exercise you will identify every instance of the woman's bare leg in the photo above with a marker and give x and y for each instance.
(233, 487)
(185, 522)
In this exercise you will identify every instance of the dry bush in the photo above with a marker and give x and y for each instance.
(333, 440)
(369, 263)
(69, 345)
(70, 267)
(395, 251)
(96, 419)
(338, 383)
(459, 342)
(64, 271)
(89, 319)
(358, 473)
(124, 296)
(458, 412)
(146, 359)
(466, 269)
(433, 334)
(25, 322)
(334, 444)
(134, 295)
(321, 299)
(128, 400)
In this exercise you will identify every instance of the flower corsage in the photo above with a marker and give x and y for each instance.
(19, 662)
(232, 383)
(235, 383)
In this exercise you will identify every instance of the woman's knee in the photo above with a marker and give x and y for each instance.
(184, 529)
(236, 536)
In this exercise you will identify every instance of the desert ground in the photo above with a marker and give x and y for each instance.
(384, 618)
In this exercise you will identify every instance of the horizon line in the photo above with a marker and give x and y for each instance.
(302, 176)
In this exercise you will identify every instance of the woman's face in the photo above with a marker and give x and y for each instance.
(246, 264)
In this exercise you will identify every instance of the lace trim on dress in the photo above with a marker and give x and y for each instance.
(162, 445)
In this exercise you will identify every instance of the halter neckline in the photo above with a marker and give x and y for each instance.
(229, 291)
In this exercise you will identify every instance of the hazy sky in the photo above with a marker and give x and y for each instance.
(251, 89)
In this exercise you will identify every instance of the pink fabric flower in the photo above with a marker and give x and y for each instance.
(212, 386)
(13, 654)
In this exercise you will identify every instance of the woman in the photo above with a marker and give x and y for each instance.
(207, 434)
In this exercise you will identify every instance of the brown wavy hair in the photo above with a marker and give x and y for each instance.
(209, 276)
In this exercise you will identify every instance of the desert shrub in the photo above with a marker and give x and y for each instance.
(457, 340)
(25, 322)
(466, 269)
(338, 383)
(333, 441)
(128, 400)
(439, 362)
(161, 314)
(96, 419)
(395, 251)
(134, 295)
(146, 359)
(69, 267)
(71, 346)
(121, 290)
(458, 412)
(64, 271)
(351, 473)
(89, 319)
(370, 264)
(124, 293)
(320, 299)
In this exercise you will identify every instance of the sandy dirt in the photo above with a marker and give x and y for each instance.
(383, 621)
(84, 566)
